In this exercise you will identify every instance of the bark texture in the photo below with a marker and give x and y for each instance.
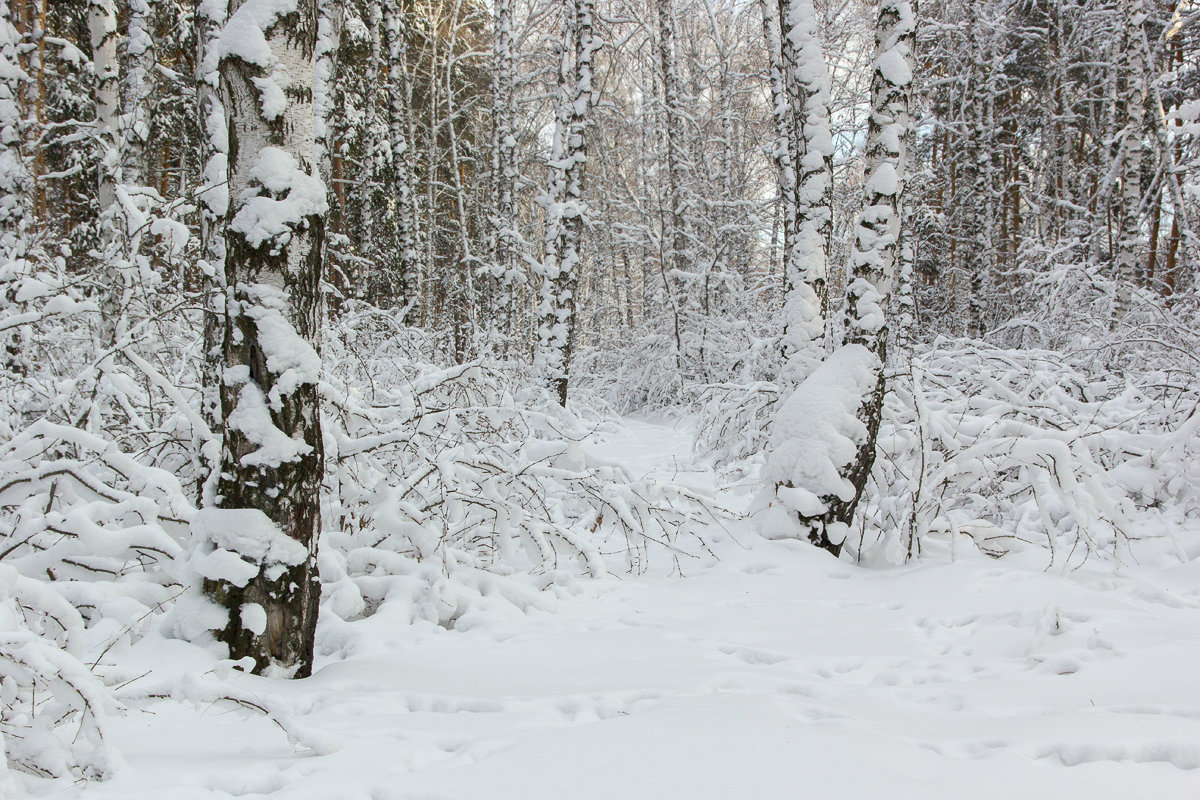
(563, 200)
(272, 457)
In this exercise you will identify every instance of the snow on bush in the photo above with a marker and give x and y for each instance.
(446, 480)
(95, 441)
(1033, 447)
(735, 424)
(84, 537)
(51, 704)
(815, 437)
(648, 368)
(448, 489)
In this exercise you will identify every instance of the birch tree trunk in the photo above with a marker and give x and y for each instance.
(674, 240)
(563, 200)
(405, 265)
(16, 184)
(873, 262)
(102, 22)
(503, 234)
(214, 204)
(806, 266)
(782, 152)
(271, 459)
(139, 68)
(1133, 104)
(877, 240)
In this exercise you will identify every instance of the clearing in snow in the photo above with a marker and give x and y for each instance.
(772, 671)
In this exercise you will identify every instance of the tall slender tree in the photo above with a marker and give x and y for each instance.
(810, 142)
(405, 265)
(877, 239)
(503, 235)
(563, 200)
(102, 22)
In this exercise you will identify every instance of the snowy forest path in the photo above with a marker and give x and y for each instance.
(775, 671)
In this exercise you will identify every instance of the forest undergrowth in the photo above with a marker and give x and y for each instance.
(454, 487)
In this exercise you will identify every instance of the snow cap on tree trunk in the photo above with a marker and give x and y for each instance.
(817, 432)
(242, 541)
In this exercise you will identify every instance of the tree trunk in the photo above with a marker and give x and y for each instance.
(563, 200)
(214, 204)
(503, 234)
(1133, 105)
(806, 264)
(139, 76)
(271, 457)
(102, 21)
(406, 263)
(877, 239)
(673, 248)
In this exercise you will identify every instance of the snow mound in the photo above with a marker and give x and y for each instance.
(817, 432)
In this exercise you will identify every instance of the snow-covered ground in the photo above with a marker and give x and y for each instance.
(775, 672)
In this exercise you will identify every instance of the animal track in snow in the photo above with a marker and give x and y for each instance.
(754, 656)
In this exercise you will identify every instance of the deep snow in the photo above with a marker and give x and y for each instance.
(775, 672)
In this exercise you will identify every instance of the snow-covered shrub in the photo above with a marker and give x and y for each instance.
(84, 533)
(648, 368)
(736, 409)
(633, 370)
(1019, 447)
(51, 704)
(734, 423)
(727, 379)
(96, 435)
(443, 474)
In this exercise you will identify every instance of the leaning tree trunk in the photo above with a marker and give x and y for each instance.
(271, 459)
(563, 200)
(822, 485)
(877, 235)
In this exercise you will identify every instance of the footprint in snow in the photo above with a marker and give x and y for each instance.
(753, 656)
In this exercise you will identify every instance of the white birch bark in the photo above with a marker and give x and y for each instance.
(1133, 104)
(214, 204)
(673, 245)
(806, 266)
(102, 23)
(16, 185)
(15, 182)
(873, 262)
(503, 233)
(563, 200)
(138, 83)
(272, 458)
(876, 236)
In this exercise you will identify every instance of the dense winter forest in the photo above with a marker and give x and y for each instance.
(319, 313)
